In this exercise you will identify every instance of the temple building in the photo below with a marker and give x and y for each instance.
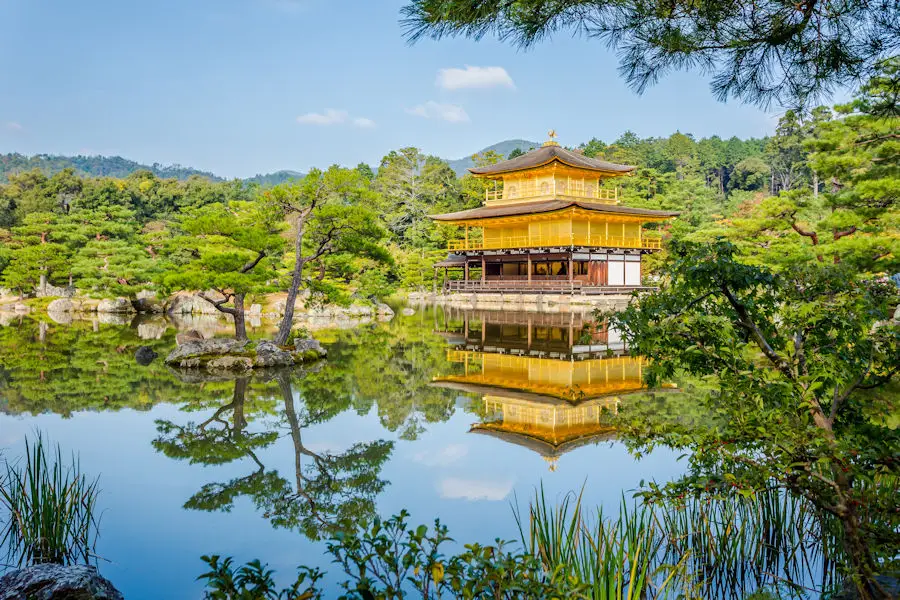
(551, 222)
(549, 382)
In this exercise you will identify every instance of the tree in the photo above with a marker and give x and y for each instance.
(330, 215)
(855, 219)
(792, 354)
(774, 50)
(232, 250)
(516, 152)
(786, 154)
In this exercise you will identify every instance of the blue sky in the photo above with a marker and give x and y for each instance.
(240, 87)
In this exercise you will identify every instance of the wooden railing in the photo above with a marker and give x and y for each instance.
(539, 287)
(573, 190)
(539, 241)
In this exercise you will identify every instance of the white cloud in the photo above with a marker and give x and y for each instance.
(474, 77)
(443, 457)
(364, 122)
(14, 126)
(454, 488)
(435, 110)
(331, 116)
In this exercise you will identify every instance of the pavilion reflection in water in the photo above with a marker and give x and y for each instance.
(547, 381)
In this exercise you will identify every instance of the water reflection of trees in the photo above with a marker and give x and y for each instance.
(327, 490)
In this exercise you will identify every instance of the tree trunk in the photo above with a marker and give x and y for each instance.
(240, 325)
(815, 184)
(287, 321)
(861, 563)
(42, 286)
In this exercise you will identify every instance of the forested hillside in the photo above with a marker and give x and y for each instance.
(823, 188)
(92, 166)
(503, 148)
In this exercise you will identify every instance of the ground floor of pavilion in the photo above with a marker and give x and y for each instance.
(535, 271)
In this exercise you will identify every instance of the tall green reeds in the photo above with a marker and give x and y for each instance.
(695, 547)
(48, 509)
(616, 558)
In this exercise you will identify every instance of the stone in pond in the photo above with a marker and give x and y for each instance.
(57, 582)
(268, 354)
(145, 355)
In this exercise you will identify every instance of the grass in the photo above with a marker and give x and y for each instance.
(711, 548)
(48, 509)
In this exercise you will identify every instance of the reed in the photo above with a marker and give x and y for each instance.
(697, 547)
(49, 509)
(615, 558)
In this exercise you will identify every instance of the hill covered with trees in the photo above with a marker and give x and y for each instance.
(92, 166)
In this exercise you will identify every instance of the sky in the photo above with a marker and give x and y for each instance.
(240, 87)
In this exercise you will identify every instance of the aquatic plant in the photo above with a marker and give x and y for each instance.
(50, 509)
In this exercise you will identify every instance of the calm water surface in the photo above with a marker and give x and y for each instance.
(447, 414)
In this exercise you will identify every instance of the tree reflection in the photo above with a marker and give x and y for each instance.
(327, 491)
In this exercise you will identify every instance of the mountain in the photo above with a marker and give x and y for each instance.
(95, 166)
(460, 165)
(270, 179)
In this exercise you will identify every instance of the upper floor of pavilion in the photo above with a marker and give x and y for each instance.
(551, 172)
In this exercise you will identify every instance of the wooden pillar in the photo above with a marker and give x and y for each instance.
(529, 268)
(482, 329)
(466, 270)
(483, 270)
(571, 274)
(467, 237)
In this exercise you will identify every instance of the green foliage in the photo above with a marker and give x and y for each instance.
(51, 509)
(792, 354)
(253, 581)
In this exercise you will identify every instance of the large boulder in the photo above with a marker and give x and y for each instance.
(191, 335)
(307, 350)
(383, 310)
(198, 354)
(61, 305)
(268, 354)
(57, 582)
(116, 306)
(184, 303)
(148, 304)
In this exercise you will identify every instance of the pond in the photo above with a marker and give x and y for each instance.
(444, 413)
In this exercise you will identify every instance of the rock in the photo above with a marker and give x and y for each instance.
(21, 308)
(255, 309)
(61, 305)
(52, 290)
(189, 304)
(308, 350)
(230, 363)
(192, 335)
(118, 306)
(148, 305)
(57, 582)
(383, 310)
(270, 355)
(897, 314)
(145, 355)
(408, 312)
(62, 318)
(201, 353)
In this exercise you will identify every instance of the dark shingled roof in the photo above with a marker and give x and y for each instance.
(526, 208)
(546, 154)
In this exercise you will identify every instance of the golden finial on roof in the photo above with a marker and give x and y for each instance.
(551, 461)
(552, 141)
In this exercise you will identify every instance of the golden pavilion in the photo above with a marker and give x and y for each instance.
(551, 222)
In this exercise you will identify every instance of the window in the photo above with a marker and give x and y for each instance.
(545, 188)
(513, 191)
